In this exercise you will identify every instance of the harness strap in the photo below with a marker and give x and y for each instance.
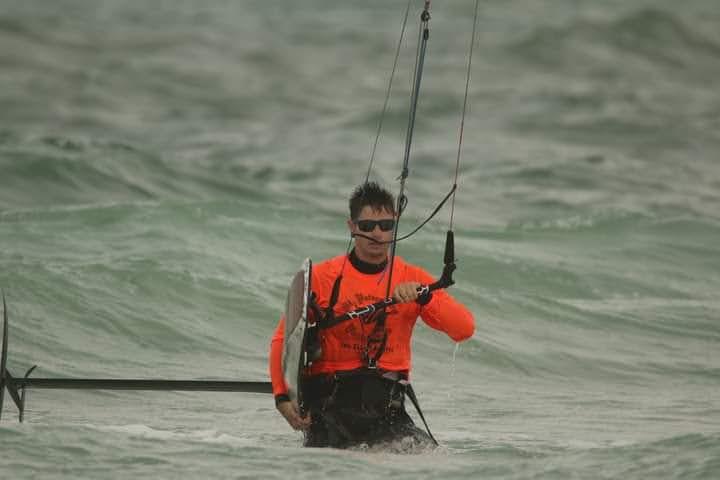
(328, 319)
(375, 346)
(413, 398)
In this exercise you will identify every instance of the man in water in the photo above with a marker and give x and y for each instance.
(355, 390)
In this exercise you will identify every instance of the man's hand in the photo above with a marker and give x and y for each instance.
(291, 412)
(406, 292)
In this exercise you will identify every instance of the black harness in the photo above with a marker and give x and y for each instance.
(372, 396)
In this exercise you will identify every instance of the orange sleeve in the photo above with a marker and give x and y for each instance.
(276, 350)
(446, 314)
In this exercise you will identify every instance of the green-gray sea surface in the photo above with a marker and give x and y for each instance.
(166, 166)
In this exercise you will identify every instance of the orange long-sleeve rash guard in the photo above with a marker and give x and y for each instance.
(343, 344)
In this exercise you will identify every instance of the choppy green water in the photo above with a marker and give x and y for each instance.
(166, 166)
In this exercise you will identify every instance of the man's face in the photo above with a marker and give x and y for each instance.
(366, 249)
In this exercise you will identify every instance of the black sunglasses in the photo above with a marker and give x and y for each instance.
(369, 225)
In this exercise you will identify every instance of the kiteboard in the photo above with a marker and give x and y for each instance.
(295, 356)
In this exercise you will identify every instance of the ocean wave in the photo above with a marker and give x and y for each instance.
(656, 36)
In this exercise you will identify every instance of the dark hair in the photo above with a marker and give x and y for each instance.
(372, 194)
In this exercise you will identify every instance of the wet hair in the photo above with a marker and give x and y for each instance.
(372, 194)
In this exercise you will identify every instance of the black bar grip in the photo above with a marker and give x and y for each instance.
(444, 282)
(449, 248)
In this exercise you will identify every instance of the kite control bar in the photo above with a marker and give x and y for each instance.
(445, 281)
